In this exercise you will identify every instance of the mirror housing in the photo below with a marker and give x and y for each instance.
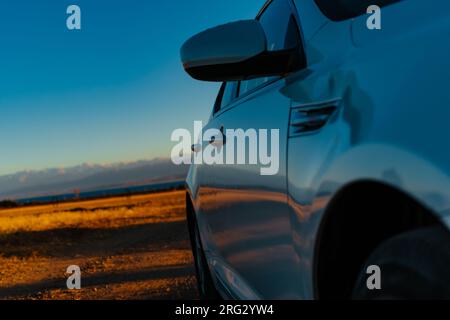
(236, 51)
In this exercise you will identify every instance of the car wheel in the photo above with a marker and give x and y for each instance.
(414, 266)
(205, 282)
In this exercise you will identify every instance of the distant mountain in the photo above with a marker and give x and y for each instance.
(87, 177)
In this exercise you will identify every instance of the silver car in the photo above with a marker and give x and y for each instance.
(362, 192)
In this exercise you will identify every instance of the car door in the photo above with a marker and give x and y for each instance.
(246, 212)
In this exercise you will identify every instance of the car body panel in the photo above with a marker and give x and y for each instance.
(390, 127)
(246, 213)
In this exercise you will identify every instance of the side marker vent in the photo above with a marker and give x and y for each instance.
(311, 118)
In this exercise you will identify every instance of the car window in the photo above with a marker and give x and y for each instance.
(227, 94)
(282, 33)
(338, 10)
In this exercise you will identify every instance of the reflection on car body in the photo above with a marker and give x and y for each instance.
(364, 170)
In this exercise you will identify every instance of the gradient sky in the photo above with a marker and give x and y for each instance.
(111, 92)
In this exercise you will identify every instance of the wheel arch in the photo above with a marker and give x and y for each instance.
(347, 235)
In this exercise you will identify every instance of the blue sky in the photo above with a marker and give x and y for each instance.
(111, 92)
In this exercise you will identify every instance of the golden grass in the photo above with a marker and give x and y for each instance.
(127, 248)
(109, 213)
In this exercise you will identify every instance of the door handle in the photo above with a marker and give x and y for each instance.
(196, 148)
(218, 141)
(213, 140)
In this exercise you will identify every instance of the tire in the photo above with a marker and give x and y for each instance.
(414, 266)
(206, 288)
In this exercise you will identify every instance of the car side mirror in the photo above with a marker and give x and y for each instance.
(236, 51)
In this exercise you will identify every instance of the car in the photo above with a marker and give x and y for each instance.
(362, 192)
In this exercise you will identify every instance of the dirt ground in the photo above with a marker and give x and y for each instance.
(127, 248)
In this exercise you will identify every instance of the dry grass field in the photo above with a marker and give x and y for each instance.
(133, 247)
